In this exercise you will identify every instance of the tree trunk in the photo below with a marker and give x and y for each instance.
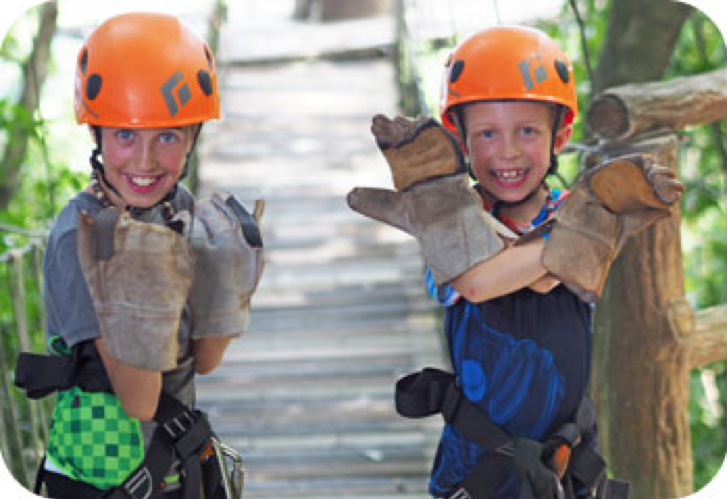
(641, 366)
(34, 73)
(639, 41)
(641, 371)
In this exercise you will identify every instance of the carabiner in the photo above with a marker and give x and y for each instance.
(233, 480)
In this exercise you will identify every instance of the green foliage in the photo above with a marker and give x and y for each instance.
(41, 191)
(703, 162)
(703, 167)
(708, 421)
(44, 183)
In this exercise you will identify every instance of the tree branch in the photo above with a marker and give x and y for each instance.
(34, 73)
(708, 341)
(622, 112)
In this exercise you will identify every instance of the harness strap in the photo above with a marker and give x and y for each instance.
(431, 391)
(180, 431)
(145, 479)
(40, 375)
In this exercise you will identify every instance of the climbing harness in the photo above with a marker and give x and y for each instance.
(208, 466)
(538, 465)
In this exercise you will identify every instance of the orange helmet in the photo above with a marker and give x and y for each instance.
(145, 70)
(508, 62)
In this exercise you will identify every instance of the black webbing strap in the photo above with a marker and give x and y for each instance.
(40, 375)
(250, 229)
(149, 475)
(613, 489)
(180, 432)
(431, 391)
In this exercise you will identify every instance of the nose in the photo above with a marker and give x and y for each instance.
(146, 154)
(510, 146)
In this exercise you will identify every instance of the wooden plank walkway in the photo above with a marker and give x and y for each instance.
(307, 395)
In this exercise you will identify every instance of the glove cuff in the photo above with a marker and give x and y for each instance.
(231, 323)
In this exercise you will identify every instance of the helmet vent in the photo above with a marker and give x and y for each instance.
(93, 86)
(562, 70)
(456, 72)
(208, 56)
(83, 63)
(205, 82)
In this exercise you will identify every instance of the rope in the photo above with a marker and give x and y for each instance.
(5, 227)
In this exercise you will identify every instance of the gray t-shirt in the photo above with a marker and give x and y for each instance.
(70, 312)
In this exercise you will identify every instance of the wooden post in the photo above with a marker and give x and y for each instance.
(646, 339)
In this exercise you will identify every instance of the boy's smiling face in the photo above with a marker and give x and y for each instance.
(144, 164)
(509, 145)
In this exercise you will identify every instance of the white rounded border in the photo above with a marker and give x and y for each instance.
(716, 10)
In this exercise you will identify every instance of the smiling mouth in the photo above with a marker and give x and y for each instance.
(143, 183)
(510, 177)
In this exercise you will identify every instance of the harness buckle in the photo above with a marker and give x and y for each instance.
(460, 493)
(179, 425)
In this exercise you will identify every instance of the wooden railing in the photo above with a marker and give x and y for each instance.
(23, 423)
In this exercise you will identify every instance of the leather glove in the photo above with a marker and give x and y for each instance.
(228, 248)
(609, 203)
(139, 275)
(433, 201)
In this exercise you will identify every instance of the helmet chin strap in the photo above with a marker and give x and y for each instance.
(499, 205)
(99, 177)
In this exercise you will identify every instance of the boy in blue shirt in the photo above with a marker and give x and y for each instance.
(518, 423)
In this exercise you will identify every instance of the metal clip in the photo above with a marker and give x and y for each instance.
(231, 469)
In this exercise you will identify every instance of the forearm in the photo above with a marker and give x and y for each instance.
(510, 270)
(208, 353)
(137, 389)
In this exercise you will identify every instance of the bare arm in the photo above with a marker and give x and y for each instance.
(514, 268)
(208, 353)
(137, 389)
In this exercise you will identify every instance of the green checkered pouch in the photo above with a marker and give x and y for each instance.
(92, 439)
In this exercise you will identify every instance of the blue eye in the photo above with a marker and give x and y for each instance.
(168, 138)
(124, 134)
(487, 134)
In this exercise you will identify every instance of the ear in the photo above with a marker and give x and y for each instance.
(562, 137)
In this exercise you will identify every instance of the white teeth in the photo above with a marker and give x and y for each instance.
(143, 181)
(510, 174)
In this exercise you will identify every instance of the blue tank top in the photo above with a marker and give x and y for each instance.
(523, 359)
